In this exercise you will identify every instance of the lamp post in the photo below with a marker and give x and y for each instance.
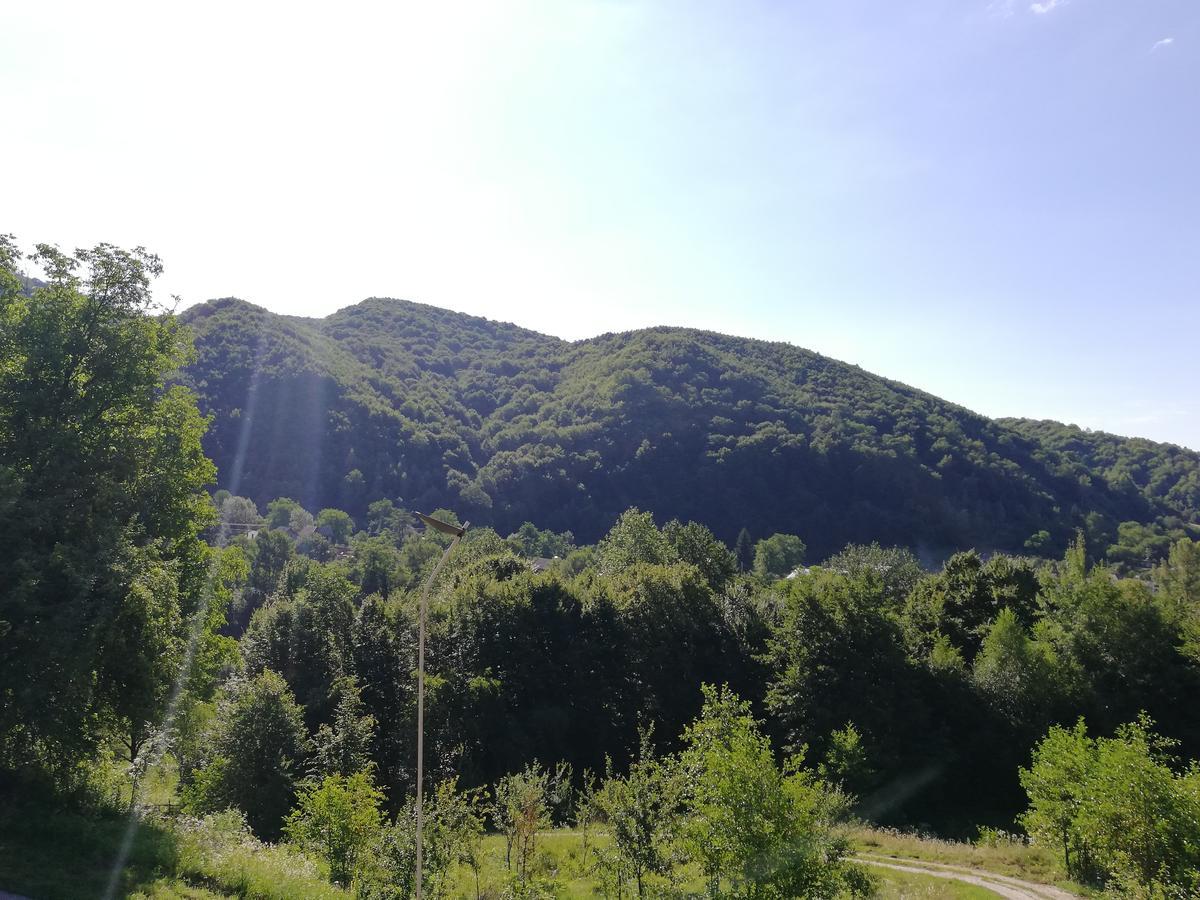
(456, 532)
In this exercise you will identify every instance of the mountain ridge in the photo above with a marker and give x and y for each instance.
(438, 408)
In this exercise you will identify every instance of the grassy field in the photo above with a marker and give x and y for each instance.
(905, 886)
(1004, 858)
(561, 854)
(49, 855)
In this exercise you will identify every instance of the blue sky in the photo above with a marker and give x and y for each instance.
(997, 202)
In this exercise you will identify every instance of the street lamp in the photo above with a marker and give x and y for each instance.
(456, 532)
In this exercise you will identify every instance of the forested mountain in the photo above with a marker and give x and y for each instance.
(394, 399)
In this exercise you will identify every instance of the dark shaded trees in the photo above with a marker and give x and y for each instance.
(255, 756)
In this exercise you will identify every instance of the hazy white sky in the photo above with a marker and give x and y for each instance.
(998, 202)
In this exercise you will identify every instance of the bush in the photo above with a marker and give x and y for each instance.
(220, 849)
(337, 819)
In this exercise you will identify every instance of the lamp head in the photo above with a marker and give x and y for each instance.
(444, 527)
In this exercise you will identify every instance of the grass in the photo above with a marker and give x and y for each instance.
(52, 854)
(1013, 858)
(49, 853)
(911, 886)
(560, 854)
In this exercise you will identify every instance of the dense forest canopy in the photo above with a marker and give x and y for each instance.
(432, 408)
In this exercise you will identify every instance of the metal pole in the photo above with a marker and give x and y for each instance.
(424, 611)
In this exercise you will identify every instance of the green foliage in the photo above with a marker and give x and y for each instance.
(306, 637)
(694, 544)
(644, 814)
(1020, 677)
(335, 525)
(520, 810)
(530, 541)
(962, 600)
(1178, 582)
(385, 518)
(743, 549)
(272, 551)
(778, 555)
(101, 505)
(1117, 809)
(834, 654)
(280, 512)
(53, 853)
(896, 569)
(847, 762)
(345, 746)
(220, 851)
(763, 830)
(508, 426)
(238, 513)
(452, 834)
(1162, 479)
(1120, 646)
(634, 538)
(255, 754)
(337, 818)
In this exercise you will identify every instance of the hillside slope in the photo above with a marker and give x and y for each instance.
(395, 399)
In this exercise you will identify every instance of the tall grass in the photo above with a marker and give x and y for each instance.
(219, 851)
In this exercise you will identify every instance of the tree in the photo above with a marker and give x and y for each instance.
(1056, 783)
(1141, 819)
(1122, 646)
(345, 746)
(335, 525)
(1117, 808)
(256, 754)
(835, 653)
(1020, 677)
(963, 600)
(238, 515)
(452, 833)
(337, 818)
(101, 492)
(520, 810)
(280, 511)
(674, 636)
(643, 811)
(1178, 582)
(306, 638)
(377, 566)
(778, 555)
(847, 762)
(634, 538)
(763, 830)
(743, 549)
(897, 570)
(695, 545)
(530, 541)
(272, 552)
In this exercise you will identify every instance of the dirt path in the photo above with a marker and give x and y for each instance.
(1001, 885)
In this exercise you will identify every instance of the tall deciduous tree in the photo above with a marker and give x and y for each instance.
(101, 502)
(778, 555)
(256, 753)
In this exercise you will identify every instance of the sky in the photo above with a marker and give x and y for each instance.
(997, 201)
